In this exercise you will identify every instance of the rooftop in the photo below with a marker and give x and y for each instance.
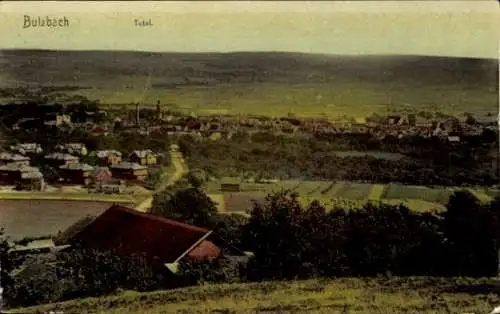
(13, 166)
(71, 145)
(28, 145)
(61, 156)
(154, 236)
(106, 153)
(82, 167)
(128, 165)
(34, 245)
(16, 157)
(32, 175)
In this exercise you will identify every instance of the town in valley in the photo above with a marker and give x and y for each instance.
(213, 158)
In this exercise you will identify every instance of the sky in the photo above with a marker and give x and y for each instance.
(437, 28)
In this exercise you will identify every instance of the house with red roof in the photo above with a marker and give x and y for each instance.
(99, 131)
(163, 242)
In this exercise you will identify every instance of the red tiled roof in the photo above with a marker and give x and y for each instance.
(98, 130)
(133, 232)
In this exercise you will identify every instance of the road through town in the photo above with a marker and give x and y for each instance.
(168, 178)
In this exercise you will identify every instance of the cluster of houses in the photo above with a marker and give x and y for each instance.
(63, 122)
(225, 126)
(398, 125)
(107, 165)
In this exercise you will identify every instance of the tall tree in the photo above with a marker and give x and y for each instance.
(470, 229)
(189, 204)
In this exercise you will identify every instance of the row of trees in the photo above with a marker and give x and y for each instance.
(376, 239)
(289, 241)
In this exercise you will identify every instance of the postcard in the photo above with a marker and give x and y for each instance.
(249, 156)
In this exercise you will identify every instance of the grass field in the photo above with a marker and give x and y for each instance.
(347, 296)
(273, 83)
(356, 99)
(418, 198)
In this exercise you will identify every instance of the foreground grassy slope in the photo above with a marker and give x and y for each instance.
(263, 83)
(397, 295)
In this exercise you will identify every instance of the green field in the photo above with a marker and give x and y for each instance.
(347, 296)
(417, 198)
(263, 83)
(356, 99)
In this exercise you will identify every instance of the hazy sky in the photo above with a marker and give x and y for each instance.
(451, 28)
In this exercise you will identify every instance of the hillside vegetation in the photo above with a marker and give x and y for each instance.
(394, 295)
(262, 83)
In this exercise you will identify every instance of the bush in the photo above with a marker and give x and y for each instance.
(290, 241)
(101, 272)
(219, 270)
(75, 274)
(36, 282)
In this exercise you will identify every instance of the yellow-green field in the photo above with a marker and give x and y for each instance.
(345, 194)
(355, 99)
(264, 83)
(348, 295)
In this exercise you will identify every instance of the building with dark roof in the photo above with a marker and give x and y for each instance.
(160, 240)
(21, 175)
(59, 159)
(77, 149)
(6, 158)
(76, 173)
(27, 148)
(129, 171)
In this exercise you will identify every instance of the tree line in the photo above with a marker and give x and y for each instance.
(425, 161)
(376, 239)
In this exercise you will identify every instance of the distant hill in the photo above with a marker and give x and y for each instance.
(92, 68)
(270, 83)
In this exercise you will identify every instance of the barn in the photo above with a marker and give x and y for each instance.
(160, 240)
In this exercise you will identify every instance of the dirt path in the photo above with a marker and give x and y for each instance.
(169, 178)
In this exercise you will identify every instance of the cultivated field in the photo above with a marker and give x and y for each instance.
(418, 198)
(346, 296)
(35, 218)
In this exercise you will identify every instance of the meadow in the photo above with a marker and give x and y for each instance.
(350, 194)
(333, 100)
(344, 295)
(272, 83)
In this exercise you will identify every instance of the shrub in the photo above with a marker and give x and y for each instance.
(220, 270)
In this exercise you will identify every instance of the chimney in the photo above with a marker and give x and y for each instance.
(137, 113)
(158, 111)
